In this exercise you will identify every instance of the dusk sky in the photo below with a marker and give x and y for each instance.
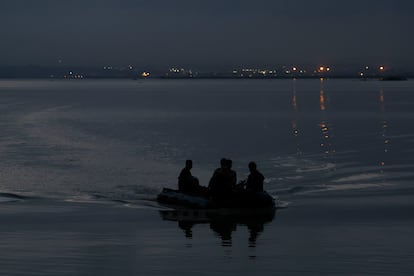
(206, 34)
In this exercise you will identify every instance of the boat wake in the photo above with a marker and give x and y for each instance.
(11, 197)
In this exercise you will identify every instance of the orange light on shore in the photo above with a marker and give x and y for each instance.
(382, 68)
(145, 74)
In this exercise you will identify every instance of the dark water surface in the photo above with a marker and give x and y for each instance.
(81, 163)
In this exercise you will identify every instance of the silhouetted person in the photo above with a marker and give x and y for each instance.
(187, 183)
(221, 183)
(232, 173)
(255, 179)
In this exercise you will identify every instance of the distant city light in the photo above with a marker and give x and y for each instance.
(321, 71)
(323, 68)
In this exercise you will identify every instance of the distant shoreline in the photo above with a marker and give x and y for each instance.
(392, 78)
(131, 72)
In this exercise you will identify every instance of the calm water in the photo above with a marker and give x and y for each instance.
(345, 144)
(124, 140)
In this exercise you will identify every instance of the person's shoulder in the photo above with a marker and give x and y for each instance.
(218, 170)
(184, 171)
(258, 173)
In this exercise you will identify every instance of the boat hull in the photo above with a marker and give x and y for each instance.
(241, 200)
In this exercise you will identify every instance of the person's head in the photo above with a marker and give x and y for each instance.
(223, 163)
(252, 166)
(189, 164)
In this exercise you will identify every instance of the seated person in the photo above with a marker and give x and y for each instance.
(187, 183)
(221, 183)
(232, 173)
(255, 179)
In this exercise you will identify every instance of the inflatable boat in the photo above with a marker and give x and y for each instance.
(239, 200)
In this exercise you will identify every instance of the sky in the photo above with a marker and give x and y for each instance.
(206, 33)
